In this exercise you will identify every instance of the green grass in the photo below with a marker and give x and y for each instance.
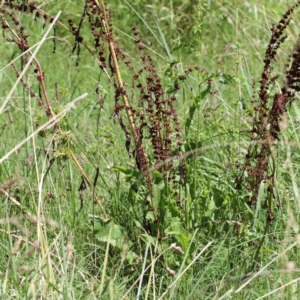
(56, 242)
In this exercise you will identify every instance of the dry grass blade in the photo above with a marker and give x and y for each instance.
(185, 270)
(262, 269)
(48, 124)
(29, 62)
(279, 289)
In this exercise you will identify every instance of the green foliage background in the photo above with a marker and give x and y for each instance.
(92, 258)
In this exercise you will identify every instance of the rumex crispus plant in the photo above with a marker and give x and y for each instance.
(270, 109)
(144, 108)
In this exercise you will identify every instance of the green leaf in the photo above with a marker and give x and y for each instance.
(218, 197)
(184, 240)
(175, 227)
(123, 170)
(174, 209)
(102, 233)
(148, 239)
(157, 176)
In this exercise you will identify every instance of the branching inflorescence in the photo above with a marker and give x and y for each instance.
(145, 103)
(141, 108)
(269, 111)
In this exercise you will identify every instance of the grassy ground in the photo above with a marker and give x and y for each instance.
(63, 239)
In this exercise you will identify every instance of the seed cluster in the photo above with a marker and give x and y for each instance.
(144, 108)
(269, 110)
(150, 108)
(14, 32)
